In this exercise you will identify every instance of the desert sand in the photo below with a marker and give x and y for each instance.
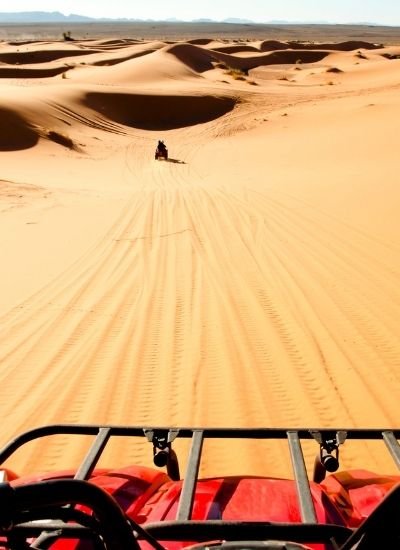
(252, 280)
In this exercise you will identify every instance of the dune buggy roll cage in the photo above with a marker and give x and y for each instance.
(20, 507)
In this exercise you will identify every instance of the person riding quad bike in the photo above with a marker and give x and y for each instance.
(161, 151)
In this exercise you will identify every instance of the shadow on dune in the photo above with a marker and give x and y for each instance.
(176, 161)
(158, 112)
(195, 57)
(15, 132)
(348, 46)
(290, 56)
(40, 56)
(14, 72)
(199, 41)
(236, 49)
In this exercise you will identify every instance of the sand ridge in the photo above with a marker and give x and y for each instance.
(252, 280)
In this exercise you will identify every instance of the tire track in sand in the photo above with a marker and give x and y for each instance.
(202, 305)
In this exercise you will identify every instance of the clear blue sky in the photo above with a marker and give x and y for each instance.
(386, 12)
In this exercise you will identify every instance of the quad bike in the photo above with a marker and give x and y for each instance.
(145, 508)
(161, 153)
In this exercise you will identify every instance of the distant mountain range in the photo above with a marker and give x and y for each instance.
(42, 17)
(57, 17)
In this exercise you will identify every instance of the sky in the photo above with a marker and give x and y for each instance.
(385, 12)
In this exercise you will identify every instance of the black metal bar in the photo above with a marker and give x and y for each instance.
(189, 484)
(89, 463)
(393, 446)
(209, 433)
(306, 503)
(203, 531)
(245, 530)
(67, 429)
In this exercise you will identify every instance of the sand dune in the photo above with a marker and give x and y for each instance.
(252, 280)
(114, 43)
(248, 61)
(156, 66)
